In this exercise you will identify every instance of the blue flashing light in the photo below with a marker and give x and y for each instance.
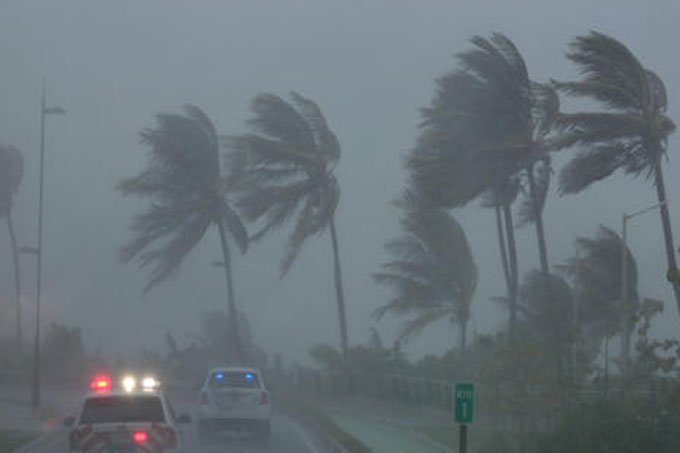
(249, 377)
(219, 376)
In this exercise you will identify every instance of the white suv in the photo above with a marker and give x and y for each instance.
(234, 399)
(125, 421)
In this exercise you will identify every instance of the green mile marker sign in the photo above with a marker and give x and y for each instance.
(464, 402)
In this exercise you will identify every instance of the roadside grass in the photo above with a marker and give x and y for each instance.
(479, 440)
(11, 440)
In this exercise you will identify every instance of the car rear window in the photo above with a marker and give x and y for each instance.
(121, 409)
(235, 379)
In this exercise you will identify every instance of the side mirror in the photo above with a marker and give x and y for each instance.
(68, 421)
(184, 419)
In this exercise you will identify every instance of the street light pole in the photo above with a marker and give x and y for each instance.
(35, 387)
(625, 309)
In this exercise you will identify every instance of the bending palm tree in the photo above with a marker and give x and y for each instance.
(188, 196)
(485, 134)
(287, 170)
(11, 173)
(631, 134)
(433, 275)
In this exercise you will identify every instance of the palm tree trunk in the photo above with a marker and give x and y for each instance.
(514, 282)
(233, 313)
(463, 334)
(502, 247)
(338, 288)
(666, 225)
(538, 220)
(17, 279)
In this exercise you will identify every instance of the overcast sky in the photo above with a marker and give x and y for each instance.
(370, 65)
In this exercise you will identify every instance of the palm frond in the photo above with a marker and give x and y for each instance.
(433, 269)
(187, 193)
(415, 326)
(590, 166)
(325, 140)
(280, 121)
(603, 59)
(167, 258)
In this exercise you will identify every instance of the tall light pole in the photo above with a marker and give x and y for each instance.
(44, 111)
(627, 315)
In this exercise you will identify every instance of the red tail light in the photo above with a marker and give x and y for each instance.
(204, 398)
(264, 399)
(140, 437)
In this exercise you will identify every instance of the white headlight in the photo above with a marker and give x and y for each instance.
(129, 383)
(149, 383)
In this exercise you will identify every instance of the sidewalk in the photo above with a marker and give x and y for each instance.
(386, 427)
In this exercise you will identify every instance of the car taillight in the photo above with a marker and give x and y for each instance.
(264, 398)
(204, 398)
(140, 437)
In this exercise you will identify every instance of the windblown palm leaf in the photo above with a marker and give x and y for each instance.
(486, 135)
(631, 134)
(286, 172)
(433, 274)
(187, 196)
(596, 272)
(488, 125)
(288, 169)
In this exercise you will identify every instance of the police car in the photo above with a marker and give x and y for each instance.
(234, 399)
(131, 417)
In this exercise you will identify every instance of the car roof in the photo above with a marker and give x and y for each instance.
(238, 369)
(92, 395)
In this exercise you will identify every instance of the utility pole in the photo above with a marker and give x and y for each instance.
(627, 316)
(35, 385)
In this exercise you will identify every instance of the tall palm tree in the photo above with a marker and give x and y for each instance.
(11, 174)
(596, 273)
(433, 273)
(287, 166)
(630, 133)
(486, 134)
(188, 195)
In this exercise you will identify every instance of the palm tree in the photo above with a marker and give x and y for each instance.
(188, 195)
(486, 134)
(433, 273)
(631, 134)
(11, 174)
(596, 273)
(286, 171)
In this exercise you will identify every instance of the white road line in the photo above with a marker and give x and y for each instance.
(304, 436)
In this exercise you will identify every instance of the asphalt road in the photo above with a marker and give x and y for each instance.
(286, 437)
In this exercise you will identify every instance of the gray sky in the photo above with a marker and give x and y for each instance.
(369, 64)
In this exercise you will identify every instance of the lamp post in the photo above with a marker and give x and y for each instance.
(44, 112)
(626, 318)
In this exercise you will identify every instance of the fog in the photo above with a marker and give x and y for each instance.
(370, 65)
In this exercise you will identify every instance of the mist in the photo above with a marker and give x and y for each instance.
(369, 65)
